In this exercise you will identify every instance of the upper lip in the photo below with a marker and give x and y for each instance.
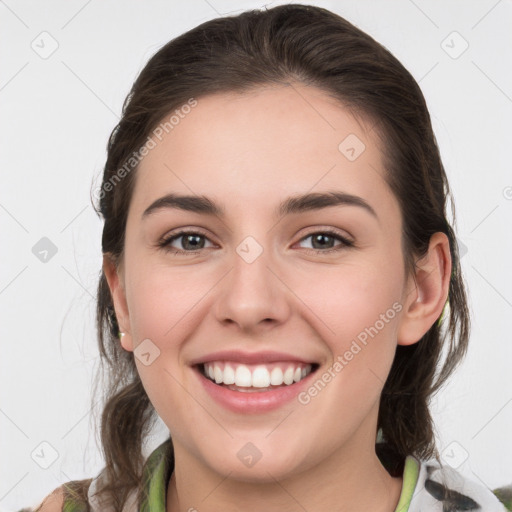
(266, 356)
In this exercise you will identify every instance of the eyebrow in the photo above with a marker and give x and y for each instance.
(292, 205)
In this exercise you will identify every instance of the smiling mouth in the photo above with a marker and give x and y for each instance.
(255, 378)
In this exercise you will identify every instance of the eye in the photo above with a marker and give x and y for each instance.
(191, 242)
(322, 241)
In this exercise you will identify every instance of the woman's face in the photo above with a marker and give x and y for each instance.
(268, 286)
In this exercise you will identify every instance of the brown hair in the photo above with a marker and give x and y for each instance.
(313, 46)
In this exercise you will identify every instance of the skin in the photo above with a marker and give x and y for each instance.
(248, 152)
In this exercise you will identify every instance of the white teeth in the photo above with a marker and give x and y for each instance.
(217, 374)
(260, 376)
(276, 377)
(243, 376)
(229, 375)
(288, 376)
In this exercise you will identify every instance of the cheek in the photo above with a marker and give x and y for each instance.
(358, 310)
(362, 310)
(161, 300)
(350, 299)
(161, 303)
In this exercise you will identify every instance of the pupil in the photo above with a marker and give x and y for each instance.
(319, 238)
(195, 243)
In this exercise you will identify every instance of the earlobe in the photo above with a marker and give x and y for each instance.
(424, 303)
(126, 343)
(115, 282)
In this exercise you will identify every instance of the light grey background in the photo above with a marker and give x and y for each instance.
(57, 114)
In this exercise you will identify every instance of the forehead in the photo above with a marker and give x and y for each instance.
(260, 145)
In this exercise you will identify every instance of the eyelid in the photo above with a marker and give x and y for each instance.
(312, 230)
(345, 242)
(178, 233)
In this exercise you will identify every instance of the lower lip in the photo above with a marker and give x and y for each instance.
(253, 402)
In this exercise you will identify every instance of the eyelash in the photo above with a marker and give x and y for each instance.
(165, 242)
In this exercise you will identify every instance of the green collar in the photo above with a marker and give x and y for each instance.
(157, 473)
(410, 479)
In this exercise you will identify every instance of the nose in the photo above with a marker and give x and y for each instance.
(252, 296)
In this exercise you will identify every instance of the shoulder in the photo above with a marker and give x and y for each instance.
(69, 496)
(441, 487)
(84, 495)
(54, 502)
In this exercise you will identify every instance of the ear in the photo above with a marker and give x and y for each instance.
(426, 295)
(115, 280)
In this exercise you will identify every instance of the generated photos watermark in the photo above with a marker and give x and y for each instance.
(344, 359)
(151, 143)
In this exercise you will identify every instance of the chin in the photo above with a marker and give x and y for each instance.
(251, 465)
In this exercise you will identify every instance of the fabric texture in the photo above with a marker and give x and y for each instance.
(426, 487)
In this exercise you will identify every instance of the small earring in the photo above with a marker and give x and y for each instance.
(120, 335)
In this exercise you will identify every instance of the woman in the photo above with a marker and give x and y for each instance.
(277, 261)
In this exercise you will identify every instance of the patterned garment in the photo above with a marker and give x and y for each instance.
(427, 487)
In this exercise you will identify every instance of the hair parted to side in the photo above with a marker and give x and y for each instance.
(281, 45)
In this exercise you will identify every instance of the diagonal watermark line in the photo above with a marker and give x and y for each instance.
(300, 299)
(14, 76)
(206, 1)
(508, 401)
(13, 13)
(286, 491)
(428, 71)
(73, 219)
(376, 376)
(194, 305)
(169, 168)
(89, 89)
(312, 106)
(311, 188)
(491, 80)
(484, 16)
(11, 489)
(493, 287)
(76, 14)
(200, 404)
(14, 423)
(227, 12)
(376, 171)
(77, 281)
(280, 423)
(66, 476)
(219, 218)
(492, 211)
(14, 218)
(483, 483)
(216, 487)
(81, 419)
(13, 279)
(424, 14)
